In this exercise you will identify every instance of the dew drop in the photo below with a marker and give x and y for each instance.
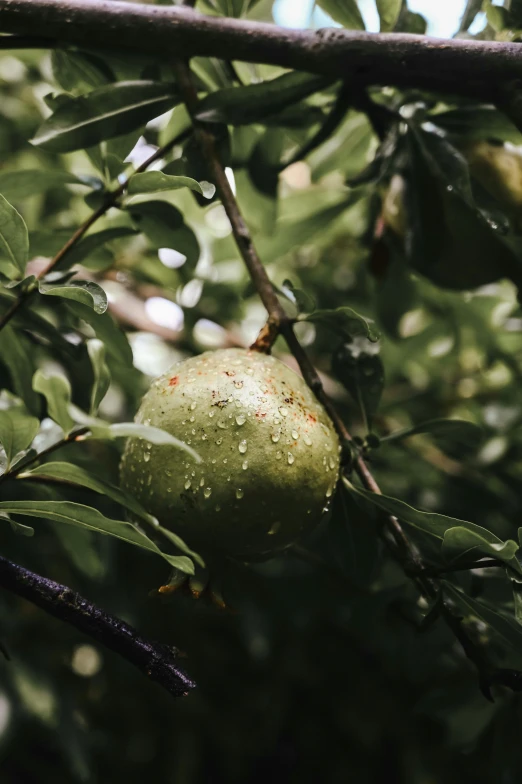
(291, 459)
(239, 493)
(202, 481)
(193, 405)
(329, 492)
(249, 371)
(245, 465)
(204, 437)
(331, 463)
(217, 508)
(283, 411)
(274, 529)
(222, 424)
(241, 419)
(225, 460)
(219, 441)
(242, 446)
(167, 472)
(277, 421)
(295, 434)
(276, 436)
(307, 439)
(188, 484)
(192, 418)
(279, 455)
(213, 461)
(238, 384)
(146, 456)
(211, 414)
(207, 492)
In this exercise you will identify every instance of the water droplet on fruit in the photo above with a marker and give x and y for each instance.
(187, 484)
(202, 481)
(167, 472)
(276, 436)
(241, 419)
(245, 465)
(307, 439)
(239, 493)
(279, 455)
(283, 411)
(238, 384)
(332, 463)
(329, 492)
(207, 492)
(277, 421)
(217, 508)
(146, 456)
(219, 441)
(295, 434)
(211, 414)
(222, 424)
(291, 459)
(242, 446)
(192, 418)
(274, 529)
(204, 437)
(193, 405)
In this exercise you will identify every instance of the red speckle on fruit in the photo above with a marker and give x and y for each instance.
(312, 418)
(173, 381)
(260, 414)
(229, 373)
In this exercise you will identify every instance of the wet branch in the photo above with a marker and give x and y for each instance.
(159, 662)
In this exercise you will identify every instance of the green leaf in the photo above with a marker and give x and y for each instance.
(91, 244)
(389, 11)
(250, 104)
(57, 392)
(154, 181)
(152, 434)
(103, 114)
(77, 72)
(473, 123)
(17, 431)
(505, 627)
(18, 356)
(164, 227)
(84, 291)
(17, 185)
(71, 513)
(68, 473)
(14, 238)
(360, 370)
(106, 329)
(345, 12)
(344, 321)
(102, 376)
(458, 429)
(301, 299)
(461, 544)
(430, 523)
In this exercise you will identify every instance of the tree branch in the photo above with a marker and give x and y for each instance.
(463, 67)
(401, 547)
(157, 661)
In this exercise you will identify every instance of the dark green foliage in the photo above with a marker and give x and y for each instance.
(400, 263)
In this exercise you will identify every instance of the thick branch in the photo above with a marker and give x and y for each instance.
(458, 66)
(155, 660)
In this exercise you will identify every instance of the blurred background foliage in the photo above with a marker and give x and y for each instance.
(407, 210)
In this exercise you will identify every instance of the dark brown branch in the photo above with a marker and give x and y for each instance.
(157, 661)
(458, 66)
(110, 201)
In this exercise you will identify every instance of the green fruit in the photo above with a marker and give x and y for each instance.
(270, 454)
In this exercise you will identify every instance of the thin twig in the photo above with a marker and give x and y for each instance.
(110, 201)
(157, 661)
